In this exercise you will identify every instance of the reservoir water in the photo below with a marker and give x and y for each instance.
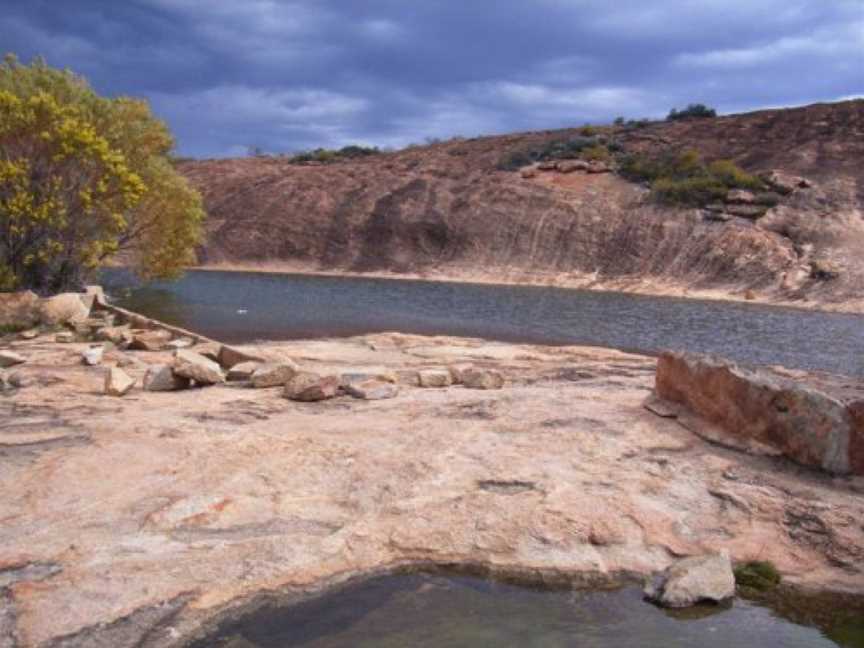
(248, 306)
(422, 611)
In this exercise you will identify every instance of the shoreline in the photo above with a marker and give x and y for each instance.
(571, 281)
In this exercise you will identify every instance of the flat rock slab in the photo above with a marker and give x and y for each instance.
(182, 505)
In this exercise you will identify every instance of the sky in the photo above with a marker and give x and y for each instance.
(284, 76)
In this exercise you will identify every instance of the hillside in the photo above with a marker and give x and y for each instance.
(447, 211)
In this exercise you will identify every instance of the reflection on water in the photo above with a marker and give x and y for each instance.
(245, 306)
(423, 611)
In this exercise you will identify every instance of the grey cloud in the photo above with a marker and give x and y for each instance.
(290, 75)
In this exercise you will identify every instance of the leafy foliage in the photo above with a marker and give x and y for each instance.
(684, 179)
(693, 111)
(326, 156)
(82, 178)
(592, 147)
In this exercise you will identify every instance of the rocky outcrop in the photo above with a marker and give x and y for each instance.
(447, 211)
(764, 411)
(693, 580)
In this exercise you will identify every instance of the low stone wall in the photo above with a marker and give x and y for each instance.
(814, 422)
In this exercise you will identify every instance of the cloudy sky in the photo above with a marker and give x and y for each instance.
(286, 75)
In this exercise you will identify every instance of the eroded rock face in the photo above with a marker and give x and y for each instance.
(693, 580)
(798, 421)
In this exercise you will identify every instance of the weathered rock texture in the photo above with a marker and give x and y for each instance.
(739, 406)
(694, 580)
(445, 211)
(132, 522)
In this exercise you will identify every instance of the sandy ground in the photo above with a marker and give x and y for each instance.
(519, 276)
(140, 521)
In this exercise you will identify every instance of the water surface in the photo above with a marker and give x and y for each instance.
(421, 611)
(248, 306)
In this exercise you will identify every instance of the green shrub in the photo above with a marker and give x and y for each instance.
(693, 111)
(326, 156)
(587, 131)
(596, 152)
(684, 179)
(559, 149)
(733, 176)
(759, 575)
(619, 121)
(695, 191)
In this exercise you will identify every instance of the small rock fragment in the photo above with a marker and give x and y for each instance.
(119, 335)
(273, 375)
(372, 390)
(435, 378)
(10, 359)
(242, 371)
(118, 382)
(30, 334)
(194, 366)
(161, 378)
(92, 356)
(307, 386)
(695, 579)
(741, 197)
(482, 379)
(528, 172)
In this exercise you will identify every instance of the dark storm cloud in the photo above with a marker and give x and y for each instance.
(228, 74)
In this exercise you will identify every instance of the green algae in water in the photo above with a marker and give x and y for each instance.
(426, 611)
(759, 575)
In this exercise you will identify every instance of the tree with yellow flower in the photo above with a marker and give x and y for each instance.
(84, 178)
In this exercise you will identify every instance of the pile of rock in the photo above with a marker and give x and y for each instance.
(753, 205)
(566, 166)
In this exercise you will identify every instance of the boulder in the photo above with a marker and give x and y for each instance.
(435, 378)
(29, 334)
(228, 356)
(10, 359)
(693, 580)
(19, 309)
(92, 356)
(741, 197)
(64, 337)
(161, 378)
(242, 371)
(150, 340)
(273, 375)
(372, 390)
(194, 366)
(529, 172)
(94, 296)
(457, 371)
(307, 386)
(548, 165)
(119, 335)
(569, 166)
(482, 379)
(784, 183)
(118, 382)
(65, 308)
(764, 412)
(716, 216)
